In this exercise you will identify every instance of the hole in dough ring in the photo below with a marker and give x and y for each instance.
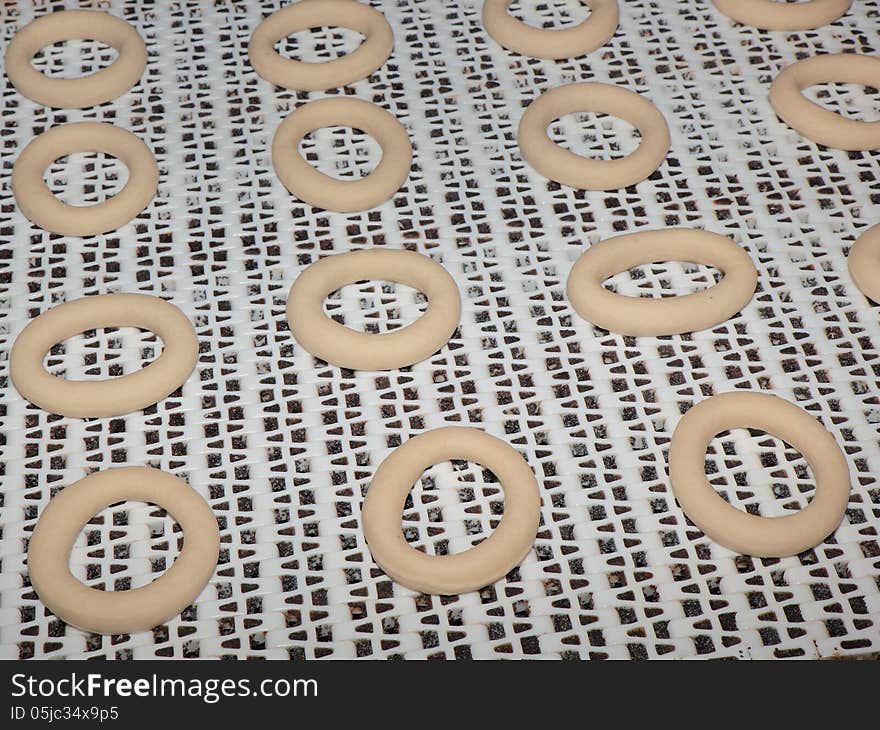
(479, 566)
(776, 15)
(670, 315)
(812, 120)
(864, 263)
(342, 346)
(114, 396)
(569, 42)
(303, 76)
(39, 205)
(323, 191)
(766, 537)
(66, 25)
(566, 167)
(139, 609)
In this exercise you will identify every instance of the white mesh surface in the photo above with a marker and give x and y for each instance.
(283, 446)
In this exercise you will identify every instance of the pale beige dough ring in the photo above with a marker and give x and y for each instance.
(114, 396)
(480, 566)
(139, 609)
(303, 76)
(864, 263)
(781, 15)
(813, 121)
(568, 168)
(39, 205)
(766, 537)
(670, 315)
(67, 25)
(323, 191)
(571, 42)
(347, 348)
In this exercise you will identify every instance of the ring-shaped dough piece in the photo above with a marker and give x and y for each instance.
(39, 205)
(323, 191)
(67, 25)
(139, 609)
(781, 15)
(548, 43)
(342, 346)
(304, 76)
(566, 167)
(765, 537)
(864, 263)
(477, 567)
(811, 119)
(114, 396)
(670, 315)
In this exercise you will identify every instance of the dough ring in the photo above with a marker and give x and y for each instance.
(347, 348)
(781, 15)
(568, 168)
(480, 566)
(302, 76)
(115, 396)
(39, 205)
(139, 609)
(864, 263)
(67, 25)
(765, 537)
(570, 42)
(812, 120)
(323, 191)
(670, 315)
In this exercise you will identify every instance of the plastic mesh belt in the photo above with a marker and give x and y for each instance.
(283, 446)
